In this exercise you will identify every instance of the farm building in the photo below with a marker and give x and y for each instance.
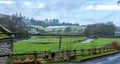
(6, 43)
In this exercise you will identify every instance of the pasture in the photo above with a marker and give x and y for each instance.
(42, 43)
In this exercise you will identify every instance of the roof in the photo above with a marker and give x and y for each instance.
(4, 33)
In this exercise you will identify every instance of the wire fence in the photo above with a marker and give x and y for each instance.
(48, 56)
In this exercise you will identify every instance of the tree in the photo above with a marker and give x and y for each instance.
(15, 24)
(100, 29)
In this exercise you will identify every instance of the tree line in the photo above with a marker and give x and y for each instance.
(18, 25)
(100, 29)
(51, 22)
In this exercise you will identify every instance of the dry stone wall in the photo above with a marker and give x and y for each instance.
(5, 48)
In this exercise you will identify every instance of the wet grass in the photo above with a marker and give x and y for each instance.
(68, 43)
(42, 43)
(37, 43)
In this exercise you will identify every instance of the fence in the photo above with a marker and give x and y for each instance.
(48, 56)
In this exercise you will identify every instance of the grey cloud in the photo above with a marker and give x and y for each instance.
(64, 10)
(59, 5)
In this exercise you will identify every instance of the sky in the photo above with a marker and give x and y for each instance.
(73, 11)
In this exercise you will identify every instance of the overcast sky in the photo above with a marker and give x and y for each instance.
(74, 11)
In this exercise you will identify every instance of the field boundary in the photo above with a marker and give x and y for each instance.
(100, 56)
(62, 56)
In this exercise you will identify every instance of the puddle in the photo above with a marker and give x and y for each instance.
(87, 41)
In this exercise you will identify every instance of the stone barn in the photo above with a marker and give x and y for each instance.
(6, 43)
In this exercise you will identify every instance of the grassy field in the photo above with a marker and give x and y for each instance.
(37, 43)
(40, 43)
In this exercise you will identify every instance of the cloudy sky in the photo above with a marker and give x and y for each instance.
(74, 11)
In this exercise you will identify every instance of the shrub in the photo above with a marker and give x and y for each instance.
(114, 45)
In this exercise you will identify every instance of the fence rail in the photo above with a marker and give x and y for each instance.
(48, 56)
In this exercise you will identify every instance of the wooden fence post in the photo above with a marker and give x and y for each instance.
(45, 52)
(82, 52)
(104, 50)
(67, 55)
(62, 55)
(75, 53)
(94, 51)
(99, 50)
(110, 49)
(49, 55)
(89, 52)
(11, 58)
(107, 49)
(35, 57)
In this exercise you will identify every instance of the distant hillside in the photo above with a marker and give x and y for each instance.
(33, 29)
(44, 23)
(51, 22)
(18, 22)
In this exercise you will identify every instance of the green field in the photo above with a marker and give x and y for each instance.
(56, 30)
(40, 43)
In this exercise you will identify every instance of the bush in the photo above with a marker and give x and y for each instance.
(23, 34)
(114, 45)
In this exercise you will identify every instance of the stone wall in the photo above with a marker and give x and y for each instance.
(5, 48)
